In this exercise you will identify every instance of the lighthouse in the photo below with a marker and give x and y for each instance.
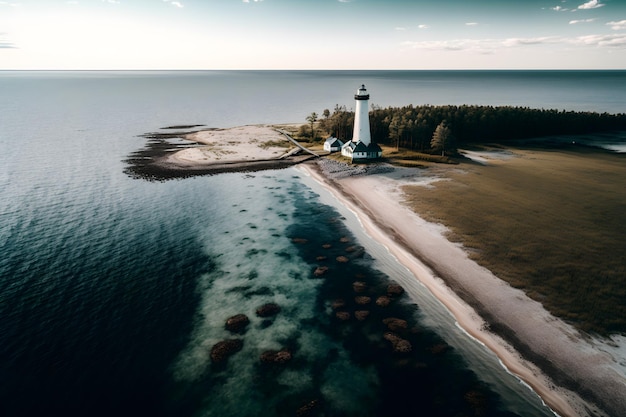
(362, 117)
(361, 147)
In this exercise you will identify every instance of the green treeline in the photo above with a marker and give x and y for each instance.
(412, 127)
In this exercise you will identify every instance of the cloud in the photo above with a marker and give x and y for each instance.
(611, 41)
(6, 3)
(481, 46)
(621, 25)
(542, 40)
(559, 9)
(471, 24)
(5, 43)
(592, 4)
(174, 3)
(399, 28)
(490, 46)
(423, 27)
(111, 1)
(575, 22)
(254, 1)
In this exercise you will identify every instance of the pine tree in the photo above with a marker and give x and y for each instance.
(442, 138)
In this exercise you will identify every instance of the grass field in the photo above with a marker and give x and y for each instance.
(550, 222)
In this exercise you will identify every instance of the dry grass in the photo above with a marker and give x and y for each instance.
(551, 223)
(405, 157)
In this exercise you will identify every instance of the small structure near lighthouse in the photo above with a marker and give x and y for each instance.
(361, 146)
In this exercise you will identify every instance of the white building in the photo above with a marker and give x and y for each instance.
(333, 144)
(361, 146)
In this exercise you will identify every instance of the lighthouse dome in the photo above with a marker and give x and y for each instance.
(361, 93)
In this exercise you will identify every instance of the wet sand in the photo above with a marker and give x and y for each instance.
(552, 357)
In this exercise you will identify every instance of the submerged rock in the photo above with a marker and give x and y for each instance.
(237, 323)
(394, 290)
(338, 303)
(399, 344)
(299, 240)
(363, 300)
(221, 351)
(342, 259)
(383, 301)
(268, 310)
(320, 270)
(327, 246)
(277, 357)
(395, 324)
(309, 409)
(342, 315)
(359, 286)
(361, 315)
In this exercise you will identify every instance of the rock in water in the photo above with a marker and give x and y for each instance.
(308, 409)
(237, 323)
(277, 357)
(399, 344)
(359, 286)
(395, 324)
(383, 301)
(362, 300)
(268, 310)
(394, 290)
(361, 314)
(320, 270)
(221, 351)
(342, 315)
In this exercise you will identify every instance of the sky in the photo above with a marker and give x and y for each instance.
(312, 34)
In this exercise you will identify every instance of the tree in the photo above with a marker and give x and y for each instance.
(312, 118)
(396, 129)
(442, 138)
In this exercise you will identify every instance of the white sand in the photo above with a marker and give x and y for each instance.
(238, 144)
(412, 240)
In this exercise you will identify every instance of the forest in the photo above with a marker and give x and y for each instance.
(412, 127)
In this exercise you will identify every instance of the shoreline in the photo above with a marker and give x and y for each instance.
(539, 349)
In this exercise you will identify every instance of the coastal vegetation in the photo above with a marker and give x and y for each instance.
(412, 127)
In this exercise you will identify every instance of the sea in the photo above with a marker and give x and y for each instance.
(114, 290)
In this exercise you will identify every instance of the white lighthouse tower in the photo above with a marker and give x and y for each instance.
(362, 117)
(361, 146)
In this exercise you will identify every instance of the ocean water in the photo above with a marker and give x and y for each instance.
(113, 290)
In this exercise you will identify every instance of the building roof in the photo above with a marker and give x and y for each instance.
(373, 147)
(360, 147)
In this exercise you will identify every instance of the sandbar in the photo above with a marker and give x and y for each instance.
(215, 151)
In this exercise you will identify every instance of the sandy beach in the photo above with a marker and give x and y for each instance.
(553, 358)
